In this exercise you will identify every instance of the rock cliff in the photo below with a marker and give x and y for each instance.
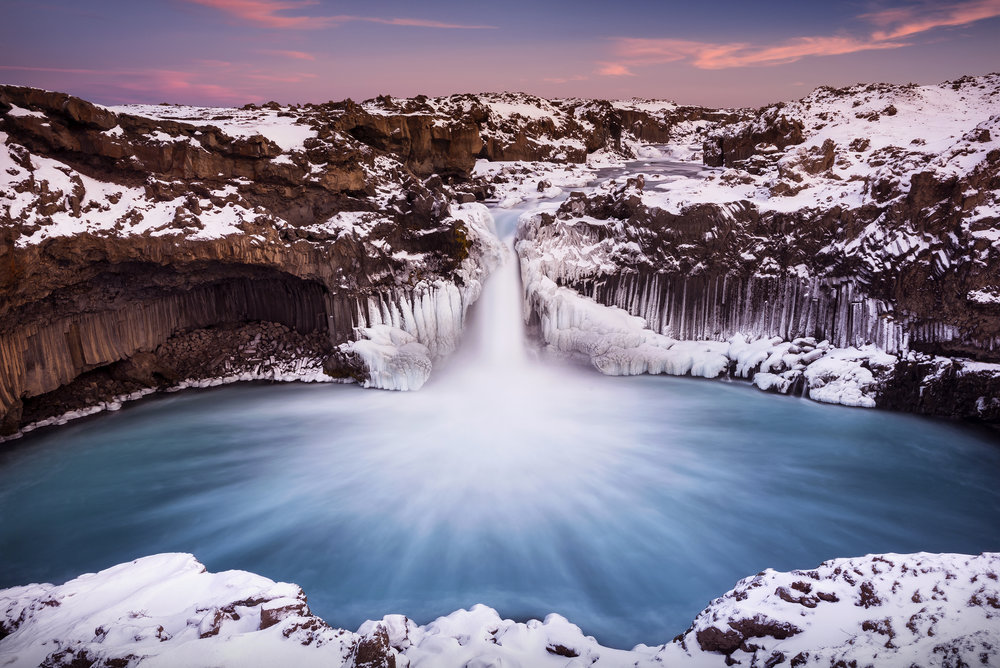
(121, 232)
(853, 218)
(862, 217)
(125, 230)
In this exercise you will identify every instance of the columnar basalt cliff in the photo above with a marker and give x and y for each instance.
(121, 232)
(844, 221)
(857, 218)
(125, 230)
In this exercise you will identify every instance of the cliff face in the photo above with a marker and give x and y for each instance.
(122, 232)
(145, 230)
(863, 217)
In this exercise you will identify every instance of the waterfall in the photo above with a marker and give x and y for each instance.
(496, 336)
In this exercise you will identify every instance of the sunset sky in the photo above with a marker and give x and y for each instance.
(720, 53)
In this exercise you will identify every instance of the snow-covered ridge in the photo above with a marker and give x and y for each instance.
(167, 610)
(280, 124)
(859, 145)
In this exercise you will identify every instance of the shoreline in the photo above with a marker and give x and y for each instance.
(230, 617)
(118, 402)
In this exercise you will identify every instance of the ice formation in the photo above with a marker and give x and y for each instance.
(393, 359)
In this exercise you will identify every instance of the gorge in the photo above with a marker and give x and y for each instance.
(489, 248)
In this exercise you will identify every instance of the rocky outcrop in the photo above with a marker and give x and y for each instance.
(851, 243)
(893, 609)
(121, 233)
(427, 145)
(733, 142)
(512, 127)
(123, 229)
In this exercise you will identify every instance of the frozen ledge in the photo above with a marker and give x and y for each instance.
(167, 610)
(620, 344)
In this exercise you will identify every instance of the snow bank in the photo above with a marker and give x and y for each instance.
(279, 125)
(879, 133)
(166, 610)
(879, 610)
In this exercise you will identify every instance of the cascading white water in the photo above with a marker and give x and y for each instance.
(496, 333)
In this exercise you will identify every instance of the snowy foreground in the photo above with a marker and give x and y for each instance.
(167, 610)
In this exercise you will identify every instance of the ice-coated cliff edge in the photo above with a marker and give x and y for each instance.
(618, 343)
(848, 251)
(403, 330)
(167, 610)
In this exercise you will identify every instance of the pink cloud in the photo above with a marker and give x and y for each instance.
(614, 70)
(906, 21)
(295, 55)
(265, 12)
(270, 13)
(900, 23)
(562, 80)
(897, 23)
(716, 56)
(417, 23)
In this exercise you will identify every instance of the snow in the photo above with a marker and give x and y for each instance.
(881, 610)
(658, 107)
(358, 224)
(988, 296)
(516, 182)
(844, 376)
(237, 123)
(87, 205)
(536, 111)
(167, 610)
(932, 129)
(19, 111)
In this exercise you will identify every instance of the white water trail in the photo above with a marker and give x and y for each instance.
(496, 334)
(496, 434)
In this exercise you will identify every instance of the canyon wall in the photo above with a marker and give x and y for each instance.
(863, 220)
(121, 234)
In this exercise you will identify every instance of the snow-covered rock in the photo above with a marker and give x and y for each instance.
(166, 610)
(879, 610)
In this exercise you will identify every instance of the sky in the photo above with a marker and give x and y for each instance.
(717, 53)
